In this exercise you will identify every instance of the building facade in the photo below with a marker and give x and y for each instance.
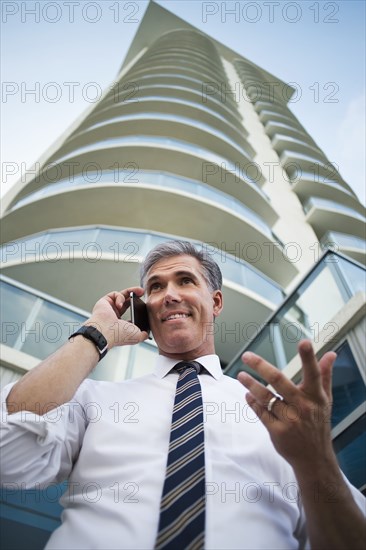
(191, 141)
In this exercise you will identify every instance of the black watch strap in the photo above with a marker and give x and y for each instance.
(93, 334)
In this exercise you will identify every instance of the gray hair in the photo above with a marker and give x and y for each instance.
(210, 270)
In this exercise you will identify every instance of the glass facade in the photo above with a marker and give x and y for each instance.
(348, 386)
(350, 447)
(307, 312)
(28, 517)
(32, 324)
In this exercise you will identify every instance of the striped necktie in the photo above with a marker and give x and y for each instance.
(182, 508)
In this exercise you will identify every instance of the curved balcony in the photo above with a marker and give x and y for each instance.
(183, 57)
(168, 71)
(272, 129)
(165, 207)
(182, 160)
(347, 244)
(282, 143)
(275, 107)
(180, 92)
(310, 185)
(324, 215)
(172, 62)
(296, 164)
(164, 104)
(157, 106)
(253, 195)
(110, 258)
(161, 76)
(148, 152)
(157, 125)
(269, 115)
(125, 246)
(269, 86)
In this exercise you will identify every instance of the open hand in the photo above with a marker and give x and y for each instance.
(299, 425)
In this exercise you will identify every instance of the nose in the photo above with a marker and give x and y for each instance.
(171, 294)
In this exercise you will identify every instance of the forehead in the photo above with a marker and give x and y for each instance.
(175, 265)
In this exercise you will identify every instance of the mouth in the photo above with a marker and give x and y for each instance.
(175, 316)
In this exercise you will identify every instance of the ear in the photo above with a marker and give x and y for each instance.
(218, 302)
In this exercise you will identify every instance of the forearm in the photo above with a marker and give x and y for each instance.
(333, 518)
(54, 381)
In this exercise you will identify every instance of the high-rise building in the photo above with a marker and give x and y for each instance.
(191, 141)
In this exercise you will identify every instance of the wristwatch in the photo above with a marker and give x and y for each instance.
(93, 334)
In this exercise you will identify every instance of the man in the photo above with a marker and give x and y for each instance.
(115, 460)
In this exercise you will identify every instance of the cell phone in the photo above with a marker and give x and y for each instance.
(139, 316)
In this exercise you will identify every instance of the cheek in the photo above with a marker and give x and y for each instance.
(153, 307)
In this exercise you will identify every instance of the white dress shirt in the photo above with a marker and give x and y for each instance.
(111, 442)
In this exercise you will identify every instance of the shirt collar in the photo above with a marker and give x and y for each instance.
(211, 363)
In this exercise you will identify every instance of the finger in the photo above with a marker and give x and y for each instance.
(311, 377)
(261, 394)
(121, 299)
(271, 375)
(144, 335)
(115, 300)
(326, 365)
(138, 290)
(268, 419)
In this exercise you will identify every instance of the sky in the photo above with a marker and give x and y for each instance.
(58, 56)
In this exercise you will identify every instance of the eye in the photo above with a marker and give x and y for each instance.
(154, 286)
(186, 280)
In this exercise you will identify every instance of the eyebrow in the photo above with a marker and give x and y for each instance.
(180, 273)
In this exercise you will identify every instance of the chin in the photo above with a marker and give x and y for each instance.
(177, 344)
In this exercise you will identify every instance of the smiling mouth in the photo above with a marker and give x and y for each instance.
(176, 316)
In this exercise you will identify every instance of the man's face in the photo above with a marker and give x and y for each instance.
(181, 307)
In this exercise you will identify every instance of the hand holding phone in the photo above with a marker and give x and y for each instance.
(139, 316)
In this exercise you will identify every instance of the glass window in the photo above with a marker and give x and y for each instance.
(261, 345)
(50, 329)
(124, 245)
(355, 277)
(29, 516)
(348, 387)
(16, 305)
(233, 270)
(350, 447)
(321, 300)
(263, 286)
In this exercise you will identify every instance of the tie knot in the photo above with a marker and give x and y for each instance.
(184, 365)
